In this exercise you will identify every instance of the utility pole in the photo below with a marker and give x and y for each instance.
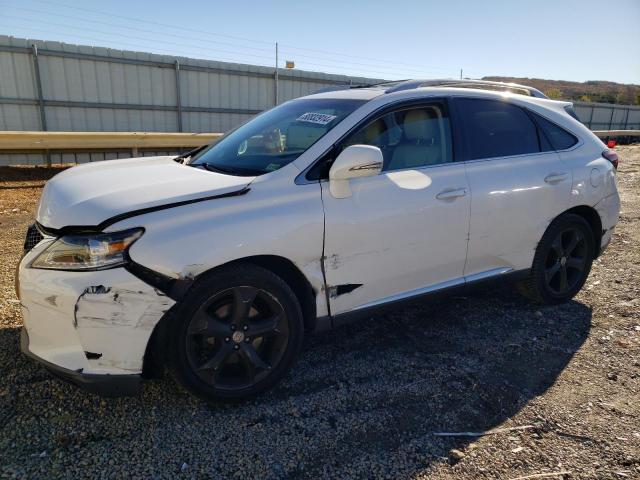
(276, 75)
(460, 74)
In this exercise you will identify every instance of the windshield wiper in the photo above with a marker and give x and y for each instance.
(181, 158)
(238, 171)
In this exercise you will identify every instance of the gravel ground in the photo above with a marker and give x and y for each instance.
(363, 401)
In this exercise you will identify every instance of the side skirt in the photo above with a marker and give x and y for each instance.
(326, 323)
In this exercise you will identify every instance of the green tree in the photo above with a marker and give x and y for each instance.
(585, 98)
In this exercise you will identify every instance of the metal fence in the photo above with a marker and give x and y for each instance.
(606, 116)
(61, 87)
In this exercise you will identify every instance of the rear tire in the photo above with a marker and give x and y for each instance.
(235, 334)
(562, 261)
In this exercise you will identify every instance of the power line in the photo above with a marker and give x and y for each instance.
(127, 45)
(341, 68)
(380, 63)
(139, 38)
(138, 29)
(340, 63)
(290, 47)
(333, 64)
(149, 21)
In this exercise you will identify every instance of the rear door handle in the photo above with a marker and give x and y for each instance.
(556, 177)
(451, 193)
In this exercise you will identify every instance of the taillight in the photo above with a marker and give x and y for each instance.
(611, 144)
(612, 157)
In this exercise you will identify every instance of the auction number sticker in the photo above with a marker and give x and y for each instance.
(318, 118)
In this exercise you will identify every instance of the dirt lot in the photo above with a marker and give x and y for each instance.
(364, 401)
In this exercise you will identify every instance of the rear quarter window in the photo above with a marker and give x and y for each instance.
(552, 136)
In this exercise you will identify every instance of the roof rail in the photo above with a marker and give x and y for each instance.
(479, 84)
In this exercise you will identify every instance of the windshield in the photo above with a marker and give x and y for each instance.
(274, 138)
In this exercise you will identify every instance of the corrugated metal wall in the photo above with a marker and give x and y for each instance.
(99, 89)
(605, 116)
(86, 88)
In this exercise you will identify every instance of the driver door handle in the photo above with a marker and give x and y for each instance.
(556, 177)
(451, 193)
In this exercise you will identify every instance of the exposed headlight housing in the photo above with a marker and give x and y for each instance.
(91, 251)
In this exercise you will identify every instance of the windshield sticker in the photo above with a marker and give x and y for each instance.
(272, 166)
(318, 118)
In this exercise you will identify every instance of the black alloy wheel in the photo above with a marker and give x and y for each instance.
(566, 261)
(562, 261)
(236, 333)
(236, 336)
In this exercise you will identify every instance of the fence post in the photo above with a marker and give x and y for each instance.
(591, 117)
(43, 117)
(626, 119)
(613, 110)
(179, 100)
(275, 75)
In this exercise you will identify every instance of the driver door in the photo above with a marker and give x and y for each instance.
(403, 232)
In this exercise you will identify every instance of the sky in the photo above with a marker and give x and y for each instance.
(554, 39)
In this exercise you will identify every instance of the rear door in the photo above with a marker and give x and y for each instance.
(516, 187)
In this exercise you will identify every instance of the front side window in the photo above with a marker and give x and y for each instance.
(496, 129)
(275, 138)
(410, 137)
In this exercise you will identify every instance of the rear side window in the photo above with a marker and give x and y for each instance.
(553, 137)
(497, 129)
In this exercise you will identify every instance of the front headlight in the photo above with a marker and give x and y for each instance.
(88, 251)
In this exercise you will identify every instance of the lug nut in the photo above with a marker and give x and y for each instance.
(233, 327)
(247, 339)
(227, 339)
(246, 327)
(236, 347)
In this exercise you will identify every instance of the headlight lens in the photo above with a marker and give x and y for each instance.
(88, 251)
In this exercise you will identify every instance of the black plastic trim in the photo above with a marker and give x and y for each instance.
(348, 317)
(104, 385)
(173, 288)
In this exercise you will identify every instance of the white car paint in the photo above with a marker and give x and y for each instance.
(91, 193)
(391, 234)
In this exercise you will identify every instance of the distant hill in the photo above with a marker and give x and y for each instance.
(591, 91)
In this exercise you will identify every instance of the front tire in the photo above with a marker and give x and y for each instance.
(562, 261)
(235, 334)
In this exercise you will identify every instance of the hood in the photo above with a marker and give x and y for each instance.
(87, 195)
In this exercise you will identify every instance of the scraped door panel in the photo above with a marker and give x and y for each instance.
(393, 236)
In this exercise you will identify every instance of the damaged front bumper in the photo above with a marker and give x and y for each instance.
(90, 327)
(104, 385)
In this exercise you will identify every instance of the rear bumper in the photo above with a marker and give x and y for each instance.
(609, 210)
(105, 385)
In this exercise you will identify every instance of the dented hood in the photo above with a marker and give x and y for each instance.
(88, 195)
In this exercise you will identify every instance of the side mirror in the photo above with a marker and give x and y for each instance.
(354, 162)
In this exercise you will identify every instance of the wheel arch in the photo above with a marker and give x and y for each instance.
(154, 357)
(592, 217)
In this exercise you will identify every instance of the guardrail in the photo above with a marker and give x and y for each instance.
(617, 133)
(75, 142)
(69, 142)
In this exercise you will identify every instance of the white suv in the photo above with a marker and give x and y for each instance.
(217, 263)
